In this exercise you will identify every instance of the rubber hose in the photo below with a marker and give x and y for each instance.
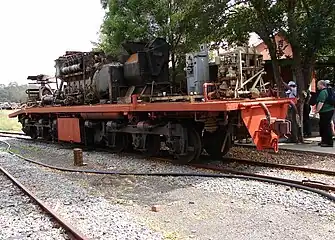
(209, 175)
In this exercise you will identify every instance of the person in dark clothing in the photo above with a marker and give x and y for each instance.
(332, 122)
(306, 118)
(326, 112)
(314, 96)
(292, 113)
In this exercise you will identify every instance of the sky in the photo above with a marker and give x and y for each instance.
(33, 33)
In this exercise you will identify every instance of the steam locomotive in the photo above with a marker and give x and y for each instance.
(128, 103)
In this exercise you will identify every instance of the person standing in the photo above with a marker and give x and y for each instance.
(332, 122)
(306, 112)
(291, 92)
(326, 112)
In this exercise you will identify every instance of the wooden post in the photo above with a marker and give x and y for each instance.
(78, 157)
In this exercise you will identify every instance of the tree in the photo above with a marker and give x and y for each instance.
(13, 92)
(310, 30)
(308, 26)
(183, 23)
(244, 17)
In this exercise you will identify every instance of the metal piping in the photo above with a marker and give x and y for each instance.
(266, 111)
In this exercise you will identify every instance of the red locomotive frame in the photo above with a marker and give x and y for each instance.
(262, 117)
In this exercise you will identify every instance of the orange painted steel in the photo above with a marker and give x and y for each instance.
(68, 130)
(258, 115)
(259, 127)
(101, 115)
(133, 58)
(210, 106)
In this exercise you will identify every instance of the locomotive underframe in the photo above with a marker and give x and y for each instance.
(184, 134)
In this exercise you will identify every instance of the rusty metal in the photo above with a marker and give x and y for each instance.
(230, 171)
(38, 95)
(240, 73)
(214, 106)
(69, 228)
(68, 130)
(78, 157)
(282, 166)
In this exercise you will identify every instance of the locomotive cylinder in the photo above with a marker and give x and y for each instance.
(72, 68)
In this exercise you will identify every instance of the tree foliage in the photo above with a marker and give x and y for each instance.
(260, 16)
(183, 23)
(308, 26)
(310, 30)
(13, 92)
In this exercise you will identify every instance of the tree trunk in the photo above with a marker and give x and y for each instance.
(276, 76)
(303, 72)
(272, 47)
(173, 62)
(300, 81)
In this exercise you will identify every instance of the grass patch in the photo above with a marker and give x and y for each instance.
(9, 124)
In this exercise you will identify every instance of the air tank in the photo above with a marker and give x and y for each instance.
(197, 71)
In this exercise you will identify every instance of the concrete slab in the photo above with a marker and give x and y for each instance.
(311, 146)
(307, 147)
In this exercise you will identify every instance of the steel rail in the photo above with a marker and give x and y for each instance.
(255, 163)
(12, 133)
(282, 166)
(76, 234)
(313, 184)
(227, 174)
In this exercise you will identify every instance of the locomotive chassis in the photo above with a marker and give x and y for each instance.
(186, 128)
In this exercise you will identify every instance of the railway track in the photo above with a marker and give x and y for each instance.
(308, 185)
(9, 183)
(12, 133)
(225, 159)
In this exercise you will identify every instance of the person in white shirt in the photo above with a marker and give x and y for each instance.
(292, 90)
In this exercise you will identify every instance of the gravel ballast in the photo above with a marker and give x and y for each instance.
(94, 216)
(188, 207)
(22, 219)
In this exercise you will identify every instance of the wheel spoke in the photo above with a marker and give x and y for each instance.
(194, 147)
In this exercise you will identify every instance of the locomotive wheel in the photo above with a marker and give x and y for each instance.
(46, 134)
(153, 145)
(213, 143)
(194, 148)
(121, 143)
(33, 133)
